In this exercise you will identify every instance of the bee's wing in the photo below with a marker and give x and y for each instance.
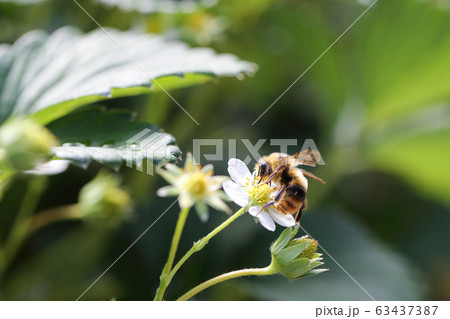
(307, 157)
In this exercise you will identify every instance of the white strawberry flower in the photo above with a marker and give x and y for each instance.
(247, 190)
(195, 186)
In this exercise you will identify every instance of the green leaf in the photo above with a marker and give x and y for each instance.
(421, 158)
(405, 65)
(21, 2)
(94, 126)
(47, 76)
(104, 136)
(402, 79)
(166, 6)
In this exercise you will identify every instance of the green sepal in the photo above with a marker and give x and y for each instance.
(296, 268)
(202, 211)
(314, 272)
(284, 239)
(168, 176)
(314, 264)
(288, 254)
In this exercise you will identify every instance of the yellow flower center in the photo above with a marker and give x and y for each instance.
(196, 185)
(259, 193)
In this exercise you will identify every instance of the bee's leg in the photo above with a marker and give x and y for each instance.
(300, 212)
(298, 216)
(277, 170)
(309, 174)
(268, 205)
(259, 173)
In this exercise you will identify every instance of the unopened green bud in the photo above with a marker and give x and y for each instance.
(310, 249)
(295, 258)
(24, 144)
(103, 199)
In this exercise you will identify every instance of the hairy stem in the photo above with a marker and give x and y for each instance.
(46, 217)
(173, 249)
(22, 223)
(199, 245)
(227, 276)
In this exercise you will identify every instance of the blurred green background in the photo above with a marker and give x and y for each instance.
(376, 104)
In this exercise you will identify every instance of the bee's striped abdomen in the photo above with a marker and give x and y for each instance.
(290, 199)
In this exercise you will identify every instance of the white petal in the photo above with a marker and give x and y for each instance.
(49, 168)
(215, 202)
(238, 171)
(170, 177)
(236, 193)
(275, 187)
(285, 220)
(185, 201)
(173, 169)
(222, 196)
(188, 162)
(254, 210)
(215, 182)
(266, 221)
(215, 187)
(167, 191)
(207, 168)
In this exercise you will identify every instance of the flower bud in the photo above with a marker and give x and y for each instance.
(295, 258)
(103, 199)
(310, 249)
(24, 144)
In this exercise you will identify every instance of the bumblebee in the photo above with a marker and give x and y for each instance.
(282, 169)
